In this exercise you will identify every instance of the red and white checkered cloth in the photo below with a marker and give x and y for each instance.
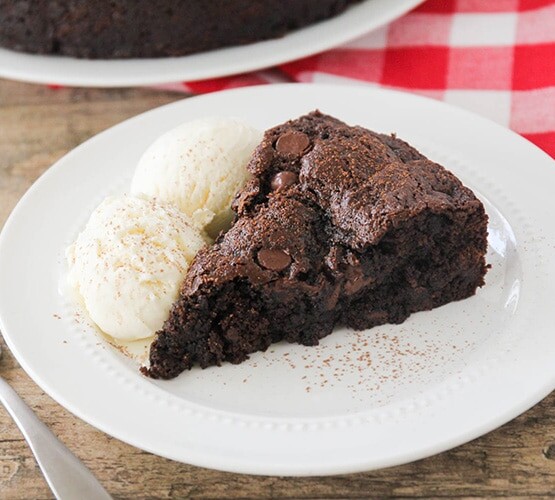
(493, 57)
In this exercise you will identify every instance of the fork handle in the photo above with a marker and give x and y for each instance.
(66, 475)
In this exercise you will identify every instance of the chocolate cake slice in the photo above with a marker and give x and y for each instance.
(338, 226)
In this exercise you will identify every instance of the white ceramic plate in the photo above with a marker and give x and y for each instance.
(356, 21)
(358, 401)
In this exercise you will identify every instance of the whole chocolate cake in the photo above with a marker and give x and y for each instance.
(141, 28)
(338, 226)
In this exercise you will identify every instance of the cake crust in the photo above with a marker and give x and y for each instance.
(339, 225)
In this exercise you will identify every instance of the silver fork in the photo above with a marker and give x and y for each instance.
(66, 475)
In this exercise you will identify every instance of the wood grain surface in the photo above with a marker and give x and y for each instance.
(37, 126)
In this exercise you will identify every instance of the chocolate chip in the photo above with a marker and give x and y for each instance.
(331, 300)
(274, 260)
(353, 285)
(355, 281)
(283, 180)
(293, 143)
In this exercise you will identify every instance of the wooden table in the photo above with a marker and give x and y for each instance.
(37, 126)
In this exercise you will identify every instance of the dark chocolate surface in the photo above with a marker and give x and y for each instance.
(139, 28)
(339, 225)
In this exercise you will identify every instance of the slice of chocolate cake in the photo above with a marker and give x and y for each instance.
(338, 226)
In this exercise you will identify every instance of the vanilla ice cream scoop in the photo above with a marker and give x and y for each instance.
(199, 166)
(128, 264)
